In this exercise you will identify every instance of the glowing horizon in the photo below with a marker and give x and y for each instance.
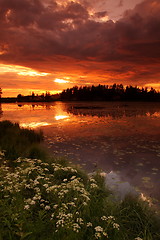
(11, 92)
(20, 70)
(58, 80)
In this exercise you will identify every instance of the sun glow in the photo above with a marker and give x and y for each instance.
(59, 80)
(2, 52)
(32, 73)
(156, 86)
(19, 70)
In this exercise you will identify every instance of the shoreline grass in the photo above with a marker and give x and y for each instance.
(20, 142)
(42, 198)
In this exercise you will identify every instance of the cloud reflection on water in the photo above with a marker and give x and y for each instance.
(34, 124)
(61, 117)
(119, 137)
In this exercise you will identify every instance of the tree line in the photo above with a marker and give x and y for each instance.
(44, 97)
(0, 92)
(115, 92)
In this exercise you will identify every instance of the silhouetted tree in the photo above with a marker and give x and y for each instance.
(0, 92)
(115, 92)
(19, 96)
(110, 93)
(47, 96)
(1, 112)
(33, 95)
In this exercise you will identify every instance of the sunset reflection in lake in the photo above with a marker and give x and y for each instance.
(119, 137)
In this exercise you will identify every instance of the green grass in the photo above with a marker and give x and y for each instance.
(42, 198)
(20, 142)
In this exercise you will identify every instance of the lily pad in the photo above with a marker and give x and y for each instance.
(146, 179)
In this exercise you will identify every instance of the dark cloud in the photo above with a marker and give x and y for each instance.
(101, 14)
(120, 4)
(38, 33)
(20, 13)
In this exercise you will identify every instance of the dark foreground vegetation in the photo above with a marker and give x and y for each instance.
(44, 198)
(19, 142)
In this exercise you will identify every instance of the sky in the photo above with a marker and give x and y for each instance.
(51, 45)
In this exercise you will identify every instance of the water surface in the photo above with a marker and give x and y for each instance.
(120, 138)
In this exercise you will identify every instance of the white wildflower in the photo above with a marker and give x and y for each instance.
(116, 225)
(104, 218)
(84, 203)
(80, 220)
(32, 202)
(93, 185)
(72, 204)
(37, 189)
(98, 229)
(47, 207)
(89, 224)
(46, 169)
(105, 234)
(92, 180)
(73, 177)
(55, 206)
(36, 182)
(111, 218)
(97, 235)
(26, 207)
(76, 227)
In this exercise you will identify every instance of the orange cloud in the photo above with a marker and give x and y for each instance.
(44, 40)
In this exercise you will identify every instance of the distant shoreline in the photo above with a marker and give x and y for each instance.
(15, 100)
(105, 93)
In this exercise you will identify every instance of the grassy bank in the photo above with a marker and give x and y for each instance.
(42, 198)
(18, 141)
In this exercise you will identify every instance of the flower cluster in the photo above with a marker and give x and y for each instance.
(99, 232)
(56, 191)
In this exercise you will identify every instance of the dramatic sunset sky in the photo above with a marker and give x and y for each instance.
(48, 45)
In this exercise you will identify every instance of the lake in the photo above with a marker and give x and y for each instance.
(121, 138)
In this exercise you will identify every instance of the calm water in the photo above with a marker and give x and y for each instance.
(122, 139)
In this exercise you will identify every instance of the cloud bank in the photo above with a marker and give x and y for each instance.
(71, 37)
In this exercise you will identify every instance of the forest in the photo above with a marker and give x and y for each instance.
(115, 92)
